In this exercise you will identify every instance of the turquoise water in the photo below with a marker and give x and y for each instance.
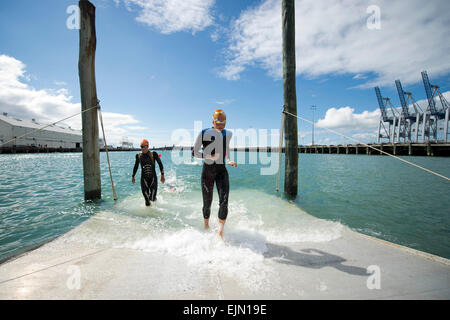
(41, 197)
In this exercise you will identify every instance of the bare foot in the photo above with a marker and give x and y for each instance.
(221, 225)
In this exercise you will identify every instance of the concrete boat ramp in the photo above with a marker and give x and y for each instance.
(353, 266)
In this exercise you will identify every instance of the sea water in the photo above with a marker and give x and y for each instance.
(41, 197)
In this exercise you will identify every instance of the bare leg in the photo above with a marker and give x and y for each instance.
(221, 225)
(206, 223)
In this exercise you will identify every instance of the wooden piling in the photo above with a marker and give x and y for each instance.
(290, 99)
(86, 71)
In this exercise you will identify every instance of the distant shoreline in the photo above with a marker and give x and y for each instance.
(403, 149)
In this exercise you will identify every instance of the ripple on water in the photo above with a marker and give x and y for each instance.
(41, 196)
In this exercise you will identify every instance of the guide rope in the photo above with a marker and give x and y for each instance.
(53, 265)
(369, 146)
(106, 149)
(52, 124)
(280, 148)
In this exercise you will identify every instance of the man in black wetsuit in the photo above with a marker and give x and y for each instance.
(149, 180)
(215, 142)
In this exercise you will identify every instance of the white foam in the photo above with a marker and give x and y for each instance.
(240, 257)
(193, 163)
(174, 226)
(252, 211)
(279, 221)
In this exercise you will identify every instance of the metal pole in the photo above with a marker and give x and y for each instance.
(416, 139)
(290, 99)
(313, 108)
(379, 128)
(447, 115)
(86, 71)
(393, 130)
(389, 135)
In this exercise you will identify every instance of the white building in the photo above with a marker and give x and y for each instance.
(126, 144)
(53, 136)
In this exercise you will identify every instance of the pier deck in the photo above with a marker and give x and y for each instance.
(403, 149)
(330, 270)
(399, 149)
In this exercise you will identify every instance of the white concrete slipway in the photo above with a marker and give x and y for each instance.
(336, 269)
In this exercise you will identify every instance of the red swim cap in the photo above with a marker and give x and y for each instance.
(144, 142)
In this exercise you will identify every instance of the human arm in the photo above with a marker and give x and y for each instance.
(227, 153)
(136, 165)
(161, 167)
(197, 146)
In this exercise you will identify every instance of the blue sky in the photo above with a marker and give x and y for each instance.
(161, 65)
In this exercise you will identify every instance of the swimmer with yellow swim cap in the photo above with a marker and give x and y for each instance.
(215, 144)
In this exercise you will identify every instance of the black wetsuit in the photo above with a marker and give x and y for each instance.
(214, 171)
(149, 180)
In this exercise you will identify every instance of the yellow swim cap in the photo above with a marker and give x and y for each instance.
(217, 113)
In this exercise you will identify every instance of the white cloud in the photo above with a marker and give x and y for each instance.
(19, 99)
(360, 76)
(346, 118)
(367, 136)
(135, 128)
(12, 70)
(333, 38)
(169, 16)
(225, 101)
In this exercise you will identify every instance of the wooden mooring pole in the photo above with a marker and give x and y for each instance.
(290, 100)
(86, 71)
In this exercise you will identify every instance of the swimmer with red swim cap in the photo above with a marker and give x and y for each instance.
(149, 179)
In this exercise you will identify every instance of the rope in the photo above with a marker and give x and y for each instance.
(39, 129)
(104, 139)
(107, 154)
(51, 266)
(280, 148)
(381, 151)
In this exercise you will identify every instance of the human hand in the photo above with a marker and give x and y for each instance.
(133, 180)
(232, 163)
(163, 179)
